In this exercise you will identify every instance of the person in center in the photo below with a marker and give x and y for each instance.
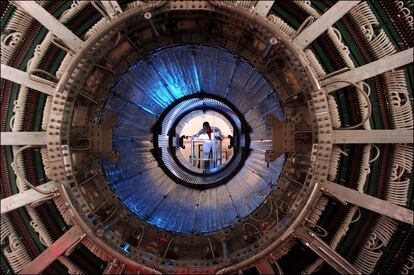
(210, 136)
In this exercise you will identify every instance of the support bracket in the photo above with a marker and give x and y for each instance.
(369, 202)
(282, 138)
(28, 197)
(324, 251)
(65, 242)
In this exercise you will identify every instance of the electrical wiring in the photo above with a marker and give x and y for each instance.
(367, 101)
(20, 175)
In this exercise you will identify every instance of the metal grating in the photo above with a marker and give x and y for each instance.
(143, 92)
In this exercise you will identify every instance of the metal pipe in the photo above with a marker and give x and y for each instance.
(148, 16)
(225, 249)
(89, 179)
(211, 248)
(269, 47)
(74, 245)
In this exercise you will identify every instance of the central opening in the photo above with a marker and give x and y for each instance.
(207, 141)
(161, 103)
(201, 141)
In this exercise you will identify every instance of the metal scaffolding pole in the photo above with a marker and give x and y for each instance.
(326, 20)
(23, 138)
(372, 136)
(369, 202)
(22, 78)
(369, 70)
(67, 241)
(27, 197)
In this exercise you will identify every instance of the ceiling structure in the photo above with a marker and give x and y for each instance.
(319, 95)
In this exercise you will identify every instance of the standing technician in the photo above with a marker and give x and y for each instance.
(209, 137)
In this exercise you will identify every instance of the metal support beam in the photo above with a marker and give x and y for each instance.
(369, 70)
(264, 267)
(65, 242)
(326, 20)
(51, 23)
(282, 138)
(369, 202)
(372, 136)
(23, 138)
(112, 8)
(22, 78)
(27, 197)
(324, 251)
(263, 7)
(114, 267)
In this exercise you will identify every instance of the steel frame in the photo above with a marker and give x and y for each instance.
(112, 8)
(23, 138)
(66, 242)
(72, 237)
(372, 136)
(51, 23)
(263, 7)
(369, 70)
(369, 202)
(27, 197)
(22, 78)
(324, 251)
(311, 33)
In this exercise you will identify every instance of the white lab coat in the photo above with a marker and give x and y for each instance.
(209, 144)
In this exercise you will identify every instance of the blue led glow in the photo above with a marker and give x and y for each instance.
(125, 247)
(139, 96)
(197, 81)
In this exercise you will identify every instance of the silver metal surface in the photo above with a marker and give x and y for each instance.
(371, 203)
(369, 70)
(27, 197)
(297, 218)
(22, 78)
(372, 136)
(23, 138)
(104, 244)
(263, 7)
(72, 88)
(324, 251)
(112, 8)
(138, 160)
(114, 267)
(66, 241)
(326, 20)
(51, 23)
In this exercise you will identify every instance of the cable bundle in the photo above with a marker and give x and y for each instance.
(96, 27)
(398, 187)
(343, 228)
(281, 25)
(134, 4)
(399, 98)
(334, 112)
(306, 7)
(378, 238)
(381, 45)
(15, 253)
(75, 8)
(9, 45)
(409, 265)
(315, 65)
(96, 250)
(365, 19)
